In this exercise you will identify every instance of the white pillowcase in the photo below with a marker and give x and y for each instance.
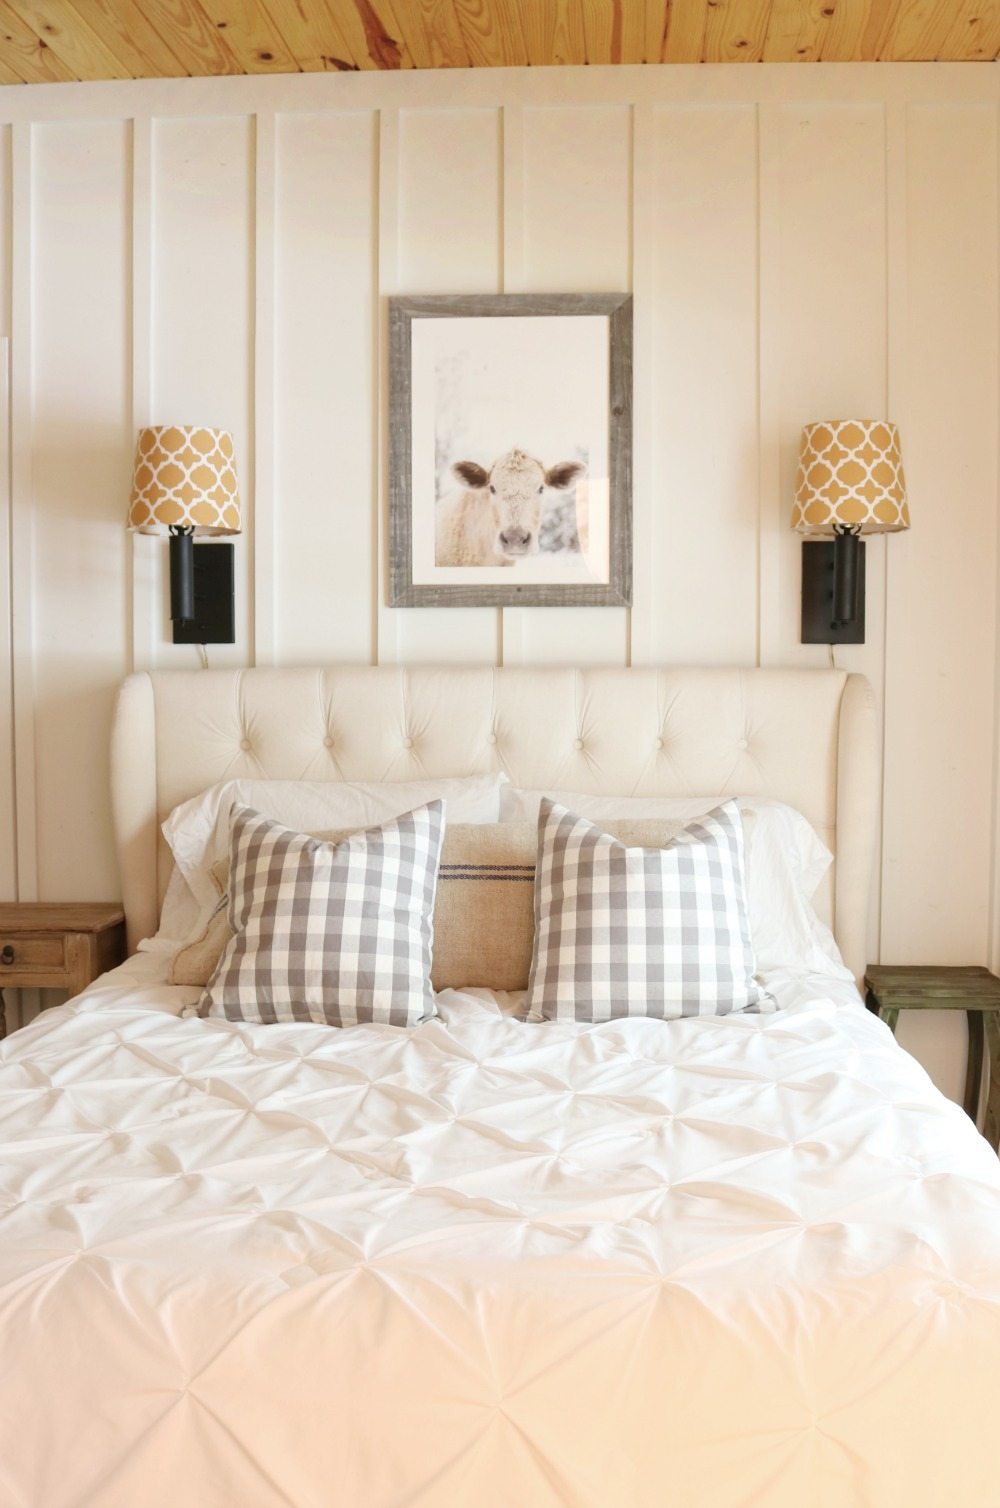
(785, 861)
(179, 913)
(197, 831)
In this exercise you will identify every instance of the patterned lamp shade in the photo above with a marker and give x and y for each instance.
(184, 477)
(850, 477)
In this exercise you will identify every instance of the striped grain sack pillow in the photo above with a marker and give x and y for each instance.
(331, 932)
(642, 931)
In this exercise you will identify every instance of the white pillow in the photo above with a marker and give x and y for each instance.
(785, 861)
(197, 831)
(520, 805)
(180, 911)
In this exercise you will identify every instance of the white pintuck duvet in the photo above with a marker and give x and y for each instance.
(739, 1263)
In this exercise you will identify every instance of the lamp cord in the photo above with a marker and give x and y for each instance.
(204, 656)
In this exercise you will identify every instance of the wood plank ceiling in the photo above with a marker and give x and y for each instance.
(46, 41)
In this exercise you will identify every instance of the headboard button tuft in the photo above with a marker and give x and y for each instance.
(407, 743)
(328, 742)
(578, 744)
(659, 743)
(245, 744)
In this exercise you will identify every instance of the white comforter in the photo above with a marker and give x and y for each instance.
(742, 1263)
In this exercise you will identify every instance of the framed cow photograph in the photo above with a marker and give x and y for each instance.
(510, 450)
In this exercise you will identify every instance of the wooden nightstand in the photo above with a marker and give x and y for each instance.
(58, 947)
(891, 989)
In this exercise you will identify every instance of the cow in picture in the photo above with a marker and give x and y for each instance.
(496, 518)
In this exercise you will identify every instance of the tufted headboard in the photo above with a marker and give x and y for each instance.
(808, 737)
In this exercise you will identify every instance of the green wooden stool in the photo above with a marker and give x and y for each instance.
(894, 988)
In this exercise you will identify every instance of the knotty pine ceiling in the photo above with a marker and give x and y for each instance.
(50, 41)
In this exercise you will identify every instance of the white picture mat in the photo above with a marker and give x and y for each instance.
(536, 382)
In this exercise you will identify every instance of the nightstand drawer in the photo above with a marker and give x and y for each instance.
(24, 953)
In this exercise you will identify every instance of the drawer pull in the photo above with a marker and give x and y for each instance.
(7, 955)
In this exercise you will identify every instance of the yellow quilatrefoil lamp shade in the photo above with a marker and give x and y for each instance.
(850, 477)
(184, 478)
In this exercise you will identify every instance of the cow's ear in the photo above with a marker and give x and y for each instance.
(564, 473)
(471, 473)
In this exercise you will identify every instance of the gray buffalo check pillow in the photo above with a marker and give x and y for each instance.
(641, 931)
(331, 932)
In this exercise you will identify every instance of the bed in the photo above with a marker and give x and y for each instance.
(715, 1262)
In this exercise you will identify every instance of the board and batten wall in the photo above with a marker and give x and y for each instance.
(801, 243)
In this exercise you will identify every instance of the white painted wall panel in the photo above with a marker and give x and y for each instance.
(8, 820)
(6, 227)
(941, 669)
(324, 388)
(702, 304)
(574, 175)
(202, 329)
(21, 505)
(80, 442)
(8, 864)
(577, 198)
(449, 201)
(942, 577)
(826, 316)
(829, 331)
(446, 239)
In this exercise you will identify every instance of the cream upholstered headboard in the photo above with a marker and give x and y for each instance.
(808, 737)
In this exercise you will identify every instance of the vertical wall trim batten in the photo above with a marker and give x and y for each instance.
(896, 269)
(386, 626)
(897, 254)
(768, 381)
(631, 261)
(993, 940)
(510, 137)
(22, 527)
(512, 179)
(510, 649)
(143, 581)
(8, 856)
(264, 536)
(8, 820)
(643, 240)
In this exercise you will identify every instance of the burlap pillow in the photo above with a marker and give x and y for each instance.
(195, 962)
(484, 917)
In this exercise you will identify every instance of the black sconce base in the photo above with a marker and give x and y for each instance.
(214, 620)
(818, 626)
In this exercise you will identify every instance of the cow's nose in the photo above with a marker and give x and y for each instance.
(509, 537)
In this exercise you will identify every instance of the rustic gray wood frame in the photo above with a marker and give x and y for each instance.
(402, 311)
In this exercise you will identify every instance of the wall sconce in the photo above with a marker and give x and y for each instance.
(850, 482)
(183, 484)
